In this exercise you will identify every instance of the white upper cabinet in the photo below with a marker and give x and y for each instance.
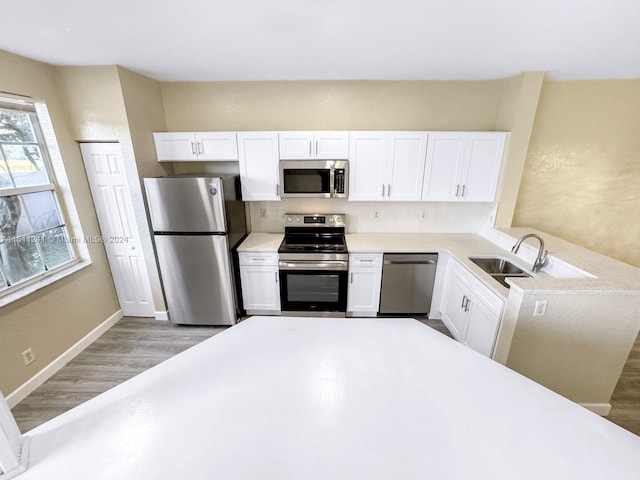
(386, 165)
(405, 166)
(258, 152)
(483, 160)
(196, 146)
(463, 166)
(314, 145)
(368, 165)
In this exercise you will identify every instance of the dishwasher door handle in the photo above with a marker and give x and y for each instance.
(409, 262)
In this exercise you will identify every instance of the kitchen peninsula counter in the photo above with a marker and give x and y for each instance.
(578, 346)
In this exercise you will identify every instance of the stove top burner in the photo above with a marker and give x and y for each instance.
(314, 234)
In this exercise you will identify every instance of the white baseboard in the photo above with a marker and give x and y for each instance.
(601, 409)
(162, 316)
(47, 372)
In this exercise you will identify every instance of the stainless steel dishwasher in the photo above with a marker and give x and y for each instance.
(407, 283)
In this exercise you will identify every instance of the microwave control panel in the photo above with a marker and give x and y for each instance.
(339, 180)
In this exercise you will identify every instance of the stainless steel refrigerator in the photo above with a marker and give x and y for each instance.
(197, 222)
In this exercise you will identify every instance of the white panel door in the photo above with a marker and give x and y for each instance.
(112, 200)
(407, 152)
(260, 288)
(454, 314)
(175, 146)
(331, 145)
(483, 159)
(483, 328)
(367, 166)
(363, 294)
(296, 145)
(217, 146)
(258, 152)
(445, 156)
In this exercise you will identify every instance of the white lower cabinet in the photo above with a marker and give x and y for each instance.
(470, 310)
(365, 279)
(260, 283)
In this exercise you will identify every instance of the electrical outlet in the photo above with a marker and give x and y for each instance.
(425, 214)
(28, 356)
(263, 213)
(376, 213)
(540, 309)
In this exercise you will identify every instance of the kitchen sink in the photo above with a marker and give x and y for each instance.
(499, 268)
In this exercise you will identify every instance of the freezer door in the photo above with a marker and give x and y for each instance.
(197, 279)
(186, 204)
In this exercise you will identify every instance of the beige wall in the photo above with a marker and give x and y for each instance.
(362, 105)
(332, 105)
(95, 104)
(56, 317)
(582, 176)
(145, 114)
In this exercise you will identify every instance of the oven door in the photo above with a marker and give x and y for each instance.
(305, 178)
(313, 286)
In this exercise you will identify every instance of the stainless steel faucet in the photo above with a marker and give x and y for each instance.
(542, 257)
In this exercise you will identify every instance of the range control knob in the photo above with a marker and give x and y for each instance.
(289, 219)
(331, 220)
(298, 219)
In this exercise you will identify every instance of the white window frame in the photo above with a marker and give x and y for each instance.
(54, 164)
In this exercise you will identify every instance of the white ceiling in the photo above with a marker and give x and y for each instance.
(177, 40)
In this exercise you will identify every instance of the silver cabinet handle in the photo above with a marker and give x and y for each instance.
(316, 148)
(200, 148)
(310, 151)
(457, 190)
(276, 276)
(351, 281)
(383, 189)
(466, 305)
(464, 298)
(277, 189)
(389, 190)
(365, 260)
(463, 188)
(193, 147)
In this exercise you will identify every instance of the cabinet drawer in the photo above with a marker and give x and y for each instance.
(258, 258)
(365, 259)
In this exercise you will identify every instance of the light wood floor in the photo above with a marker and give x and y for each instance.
(134, 345)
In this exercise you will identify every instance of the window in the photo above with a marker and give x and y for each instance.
(34, 239)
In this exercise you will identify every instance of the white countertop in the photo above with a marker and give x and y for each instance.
(261, 242)
(317, 398)
(610, 275)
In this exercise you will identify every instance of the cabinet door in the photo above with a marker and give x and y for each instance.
(331, 145)
(483, 328)
(258, 152)
(483, 159)
(454, 315)
(296, 145)
(445, 158)
(405, 170)
(260, 288)
(367, 165)
(217, 146)
(175, 146)
(363, 298)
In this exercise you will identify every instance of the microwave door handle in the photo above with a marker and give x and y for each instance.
(332, 181)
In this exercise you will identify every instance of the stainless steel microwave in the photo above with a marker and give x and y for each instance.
(314, 178)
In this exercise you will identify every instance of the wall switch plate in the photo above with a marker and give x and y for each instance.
(376, 213)
(28, 356)
(540, 308)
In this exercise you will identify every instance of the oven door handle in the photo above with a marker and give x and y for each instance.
(314, 265)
